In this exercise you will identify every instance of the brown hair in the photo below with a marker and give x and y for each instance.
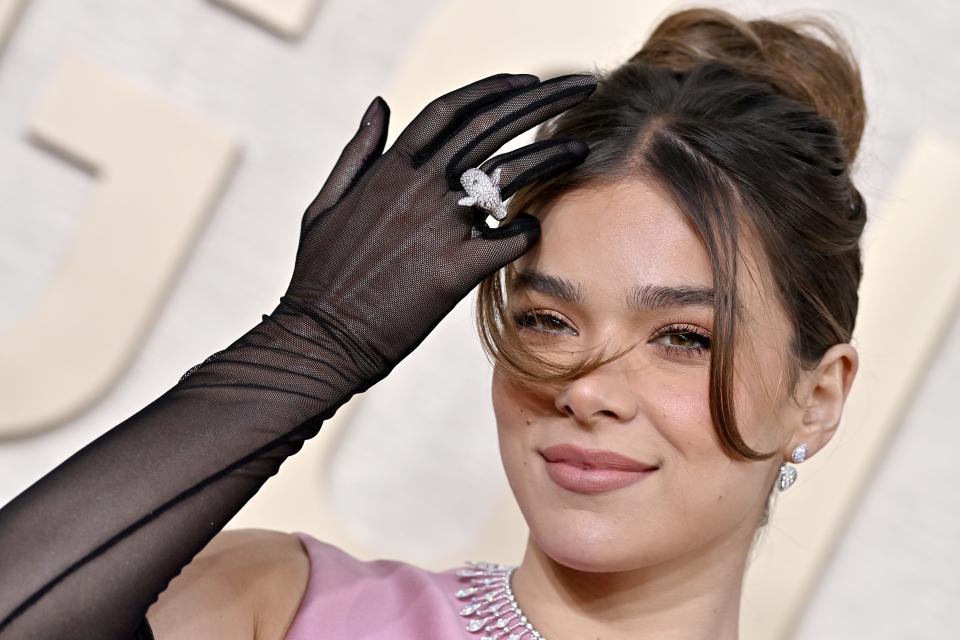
(751, 123)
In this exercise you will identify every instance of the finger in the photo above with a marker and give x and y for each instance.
(362, 150)
(495, 248)
(446, 114)
(498, 124)
(537, 161)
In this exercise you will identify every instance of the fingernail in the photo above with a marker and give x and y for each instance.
(377, 105)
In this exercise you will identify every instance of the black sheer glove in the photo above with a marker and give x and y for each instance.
(385, 252)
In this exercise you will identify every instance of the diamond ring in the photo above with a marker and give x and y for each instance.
(483, 191)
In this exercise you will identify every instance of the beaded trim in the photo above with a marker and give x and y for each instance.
(492, 608)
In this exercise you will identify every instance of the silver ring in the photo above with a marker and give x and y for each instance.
(483, 191)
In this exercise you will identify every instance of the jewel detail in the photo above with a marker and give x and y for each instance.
(787, 477)
(799, 454)
(483, 191)
(502, 619)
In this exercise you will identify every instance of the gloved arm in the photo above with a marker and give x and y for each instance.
(385, 252)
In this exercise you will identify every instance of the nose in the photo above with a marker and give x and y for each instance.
(603, 394)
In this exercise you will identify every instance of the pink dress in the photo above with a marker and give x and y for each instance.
(348, 598)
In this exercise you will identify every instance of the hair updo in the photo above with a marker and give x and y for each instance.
(749, 124)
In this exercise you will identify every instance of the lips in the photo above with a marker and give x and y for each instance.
(591, 471)
(593, 458)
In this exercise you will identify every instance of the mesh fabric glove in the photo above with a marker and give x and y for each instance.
(385, 252)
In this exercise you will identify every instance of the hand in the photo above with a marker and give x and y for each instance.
(385, 250)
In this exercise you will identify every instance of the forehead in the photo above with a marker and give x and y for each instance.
(618, 234)
(613, 236)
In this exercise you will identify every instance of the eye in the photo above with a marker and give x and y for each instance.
(684, 340)
(542, 322)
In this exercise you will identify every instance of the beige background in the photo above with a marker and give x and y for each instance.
(262, 105)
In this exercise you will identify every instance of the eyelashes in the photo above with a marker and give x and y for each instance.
(688, 334)
(547, 323)
(542, 322)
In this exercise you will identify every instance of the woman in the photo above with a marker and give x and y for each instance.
(680, 330)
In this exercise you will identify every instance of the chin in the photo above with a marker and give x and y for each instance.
(585, 541)
(575, 554)
(599, 534)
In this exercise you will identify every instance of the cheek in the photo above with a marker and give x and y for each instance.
(760, 395)
(506, 405)
(681, 416)
(679, 405)
(513, 412)
(679, 408)
(705, 484)
(515, 416)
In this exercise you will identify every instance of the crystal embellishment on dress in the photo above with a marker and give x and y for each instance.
(483, 191)
(492, 609)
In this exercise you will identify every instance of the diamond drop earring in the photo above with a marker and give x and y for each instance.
(788, 474)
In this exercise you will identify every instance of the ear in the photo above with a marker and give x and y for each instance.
(824, 393)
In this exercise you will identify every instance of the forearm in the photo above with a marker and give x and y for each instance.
(88, 548)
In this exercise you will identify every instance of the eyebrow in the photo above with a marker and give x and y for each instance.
(645, 297)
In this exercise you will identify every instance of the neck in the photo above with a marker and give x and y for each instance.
(689, 598)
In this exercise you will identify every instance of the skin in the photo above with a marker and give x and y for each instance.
(665, 557)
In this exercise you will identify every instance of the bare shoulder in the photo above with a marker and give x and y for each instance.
(245, 584)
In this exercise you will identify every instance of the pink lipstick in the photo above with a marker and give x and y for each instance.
(592, 471)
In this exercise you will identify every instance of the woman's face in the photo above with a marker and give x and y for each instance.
(581, 287)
